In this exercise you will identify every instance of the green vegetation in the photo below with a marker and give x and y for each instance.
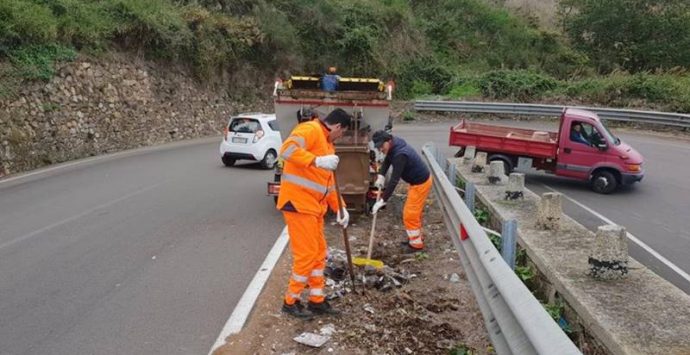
(613, 52)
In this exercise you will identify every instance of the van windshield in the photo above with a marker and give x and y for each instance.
(244, 125)
(609, 136)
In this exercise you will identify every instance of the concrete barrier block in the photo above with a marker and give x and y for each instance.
(550, 211)
(470, 152)
(497, 172)
(516, 186)
(608, 259)
(479, 164)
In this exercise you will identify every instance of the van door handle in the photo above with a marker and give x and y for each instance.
(567, 150)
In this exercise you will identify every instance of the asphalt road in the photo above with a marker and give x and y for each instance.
(150, 250)
(141, 253)
(656, 210)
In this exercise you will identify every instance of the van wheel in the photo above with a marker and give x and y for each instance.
(228, 161)
(604, 182)
(269, 160)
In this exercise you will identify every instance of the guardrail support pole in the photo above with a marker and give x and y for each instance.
(509, 242)
(452, 171)
(469, 196)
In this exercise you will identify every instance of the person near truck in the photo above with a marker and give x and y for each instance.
(329, 81)
(307, 189)
(576, 134)
(408, 166)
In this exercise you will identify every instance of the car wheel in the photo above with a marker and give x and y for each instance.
(604, 182)
(269, 160)
(228, 161)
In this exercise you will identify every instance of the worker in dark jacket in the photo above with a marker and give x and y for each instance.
(408, 166)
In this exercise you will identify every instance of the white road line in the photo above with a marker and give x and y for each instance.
(244, 306)
(640, 243)
(73, 218)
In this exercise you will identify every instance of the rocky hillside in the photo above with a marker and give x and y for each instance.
(95, 107)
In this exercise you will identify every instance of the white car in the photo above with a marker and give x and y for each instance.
(251, 136)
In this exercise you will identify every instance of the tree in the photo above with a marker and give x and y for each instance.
(635, 35)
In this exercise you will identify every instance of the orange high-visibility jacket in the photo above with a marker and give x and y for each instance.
(304, 188)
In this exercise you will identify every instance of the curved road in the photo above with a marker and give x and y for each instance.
(148, 251)
(145, 252)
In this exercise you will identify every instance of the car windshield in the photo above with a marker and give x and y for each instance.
(609, 136)
(244, 125)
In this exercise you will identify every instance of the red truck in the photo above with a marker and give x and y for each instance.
(583, 149)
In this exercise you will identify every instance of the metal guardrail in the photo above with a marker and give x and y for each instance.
(649, 117)
(516, 321)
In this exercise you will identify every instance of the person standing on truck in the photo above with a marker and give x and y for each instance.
(329, 81)
(408, 166)
(576, 134)
(307, 190)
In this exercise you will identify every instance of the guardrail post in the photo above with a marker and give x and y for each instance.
(509, 242)
(452, 171)
(469, 196)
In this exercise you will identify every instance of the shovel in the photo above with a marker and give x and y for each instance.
(369, 261)
(345, 237)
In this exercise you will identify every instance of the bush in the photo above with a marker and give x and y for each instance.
(37, 62)
(622, 89)
(520, 85)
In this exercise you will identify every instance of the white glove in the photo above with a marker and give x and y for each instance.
(328, 162)
(377, 206)
(343, 220)
(380, 181)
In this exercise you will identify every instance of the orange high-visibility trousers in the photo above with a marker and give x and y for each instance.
(308, 246)
(413, 210)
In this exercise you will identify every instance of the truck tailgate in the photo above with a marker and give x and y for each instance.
(501, 139)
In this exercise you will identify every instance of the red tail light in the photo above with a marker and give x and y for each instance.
(225, 133)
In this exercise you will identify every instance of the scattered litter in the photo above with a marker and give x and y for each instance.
(369, 308)
(408, 350)
(327, 329)
(311, 339)
(455, 278)
(153, 257)
(330, 350)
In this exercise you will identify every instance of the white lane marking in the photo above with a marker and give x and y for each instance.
(73, 218)
(122, 154)
(244, 306)
(640, 243)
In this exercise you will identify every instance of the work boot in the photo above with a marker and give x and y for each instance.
(323, 308)
(297, 310)
(408, 249)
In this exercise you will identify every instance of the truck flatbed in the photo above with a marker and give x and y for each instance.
(516, 141)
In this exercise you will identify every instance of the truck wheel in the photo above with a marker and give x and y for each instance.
(604, 182)
(269, 160)
(228, 162)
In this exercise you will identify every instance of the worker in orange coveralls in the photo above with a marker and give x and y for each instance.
(307, 189)
(408, 165)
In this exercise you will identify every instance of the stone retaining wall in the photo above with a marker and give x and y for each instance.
(94, 107)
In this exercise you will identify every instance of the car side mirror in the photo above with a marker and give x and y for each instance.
(602, 146)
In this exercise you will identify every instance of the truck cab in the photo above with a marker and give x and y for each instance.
(588, 151)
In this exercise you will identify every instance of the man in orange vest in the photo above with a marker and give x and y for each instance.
(307, 189)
